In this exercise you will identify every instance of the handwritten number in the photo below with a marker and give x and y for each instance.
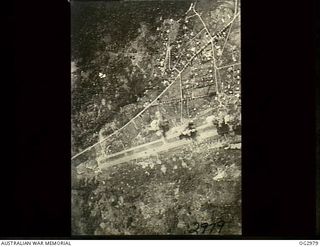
(220, 224)
(196, 229)
(213, 226)
(204, 226)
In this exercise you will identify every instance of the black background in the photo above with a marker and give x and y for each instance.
(279, 138)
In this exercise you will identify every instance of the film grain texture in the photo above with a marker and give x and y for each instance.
(156, 118)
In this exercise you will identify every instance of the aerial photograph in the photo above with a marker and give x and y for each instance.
(156, 117)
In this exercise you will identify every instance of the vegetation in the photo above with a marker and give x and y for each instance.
(165, 194)
(191, 189)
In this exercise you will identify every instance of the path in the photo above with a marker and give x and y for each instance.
(212, 37)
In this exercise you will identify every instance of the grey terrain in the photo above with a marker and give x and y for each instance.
(156, 118)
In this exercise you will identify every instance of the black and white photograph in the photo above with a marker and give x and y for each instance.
(156, 117)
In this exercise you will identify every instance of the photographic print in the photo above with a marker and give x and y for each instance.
(156, 117)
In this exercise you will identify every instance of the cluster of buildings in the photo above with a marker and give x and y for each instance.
(231, 80)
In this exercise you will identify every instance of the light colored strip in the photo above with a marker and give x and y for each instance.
(147, 107)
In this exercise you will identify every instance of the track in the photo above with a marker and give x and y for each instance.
(175, 79)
